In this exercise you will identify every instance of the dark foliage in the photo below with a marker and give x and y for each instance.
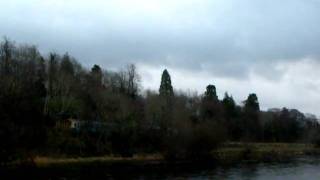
(53, 106)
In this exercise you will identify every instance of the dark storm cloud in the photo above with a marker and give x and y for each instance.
(240, 46)
(224, 37)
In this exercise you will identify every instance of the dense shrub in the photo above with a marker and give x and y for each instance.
(195, 142)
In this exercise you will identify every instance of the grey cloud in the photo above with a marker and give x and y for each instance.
(236, 45)
(225, 38)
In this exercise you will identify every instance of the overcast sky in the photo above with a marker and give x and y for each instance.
(268, 47)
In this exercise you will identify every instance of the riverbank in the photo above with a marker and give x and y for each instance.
(263, 152)
(228, 153)
(105, 160)
(306, 167)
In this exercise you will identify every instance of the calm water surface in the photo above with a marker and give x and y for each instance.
(300, 169)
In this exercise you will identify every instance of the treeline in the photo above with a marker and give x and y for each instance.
(38, 92)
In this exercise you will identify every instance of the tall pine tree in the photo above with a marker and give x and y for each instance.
(166, 89)
(252, 126)
(210, 105)
(211, 93)
(166, 94)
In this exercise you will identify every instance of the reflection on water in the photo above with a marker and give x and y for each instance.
(304, 168)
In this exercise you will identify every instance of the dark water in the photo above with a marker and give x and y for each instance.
(300, 169)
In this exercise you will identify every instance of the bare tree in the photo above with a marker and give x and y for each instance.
(133, 80)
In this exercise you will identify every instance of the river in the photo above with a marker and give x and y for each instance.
(299, 169)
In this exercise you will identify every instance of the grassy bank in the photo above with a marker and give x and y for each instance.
(228, 153)
(231, 152)
(105, 160)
